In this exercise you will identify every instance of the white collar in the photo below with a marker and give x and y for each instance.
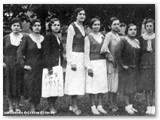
(81, 29)
(37, 41)
(15, 40)
(115, 36)
(148, 37)
(134, 43)
(98, 37)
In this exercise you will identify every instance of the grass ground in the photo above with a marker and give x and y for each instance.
(62, 105)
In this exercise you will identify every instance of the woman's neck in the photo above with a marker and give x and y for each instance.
(35, 34)
(16, 33)
(115, 33)
(79, 23)
(96, 33)
(149, 33)
(131, 37)
(55, 33)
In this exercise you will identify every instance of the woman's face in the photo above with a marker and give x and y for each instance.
(115, 26)
(149, 27)
(96, 26)
(132, 31)
(55, 26)
(81, 16)
(36, 27)
(16, 27)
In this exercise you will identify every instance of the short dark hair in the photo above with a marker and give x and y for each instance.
(51, 22)
(112, 19)
(76, 11)
(92, 22)
(16, 20)
(128, 26)
(148, 21)
(33, 22)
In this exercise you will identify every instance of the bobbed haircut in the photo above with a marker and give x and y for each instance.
(16, 20)
(128, 26)
(92, 22)
(33, 22)
(112, 19)
(76, 11)
(52, 22)
(149, 21)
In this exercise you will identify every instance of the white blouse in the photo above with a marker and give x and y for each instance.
(69, 42)
(15, 40)
(149, 42)
(98, 37)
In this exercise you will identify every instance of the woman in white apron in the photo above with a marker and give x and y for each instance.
(75, 71)
(96, 81)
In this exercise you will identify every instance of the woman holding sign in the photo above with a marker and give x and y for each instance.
(52, 57)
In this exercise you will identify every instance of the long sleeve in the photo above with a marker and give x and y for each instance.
(105, 47)
(87, 51)
(69, 43)
(21, 52)
(46, 46)
(4, 49)
(140, 51)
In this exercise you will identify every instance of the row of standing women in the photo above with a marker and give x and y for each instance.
(96, 64)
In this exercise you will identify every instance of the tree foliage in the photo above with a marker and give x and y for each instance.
(125, 12)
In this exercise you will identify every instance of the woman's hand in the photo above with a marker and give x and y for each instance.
(73, 67)
(90, 72)
(4, 65)
(27, 67)
(50, 72)
(125, 67)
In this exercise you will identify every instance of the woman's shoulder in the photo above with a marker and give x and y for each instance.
(109, 34)
(6, 36)
(49, 34)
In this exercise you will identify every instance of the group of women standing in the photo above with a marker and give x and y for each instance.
(96, 64)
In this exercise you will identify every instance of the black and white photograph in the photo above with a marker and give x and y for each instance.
(79, 59)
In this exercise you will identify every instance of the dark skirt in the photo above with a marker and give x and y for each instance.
(32, 85)
(13, 78)
(147, 79)
(128, 81)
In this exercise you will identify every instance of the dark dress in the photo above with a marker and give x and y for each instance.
(29, 54)
(52, 51)
(52, 54)
(127, 55)
(13, 73)
(147, 66)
